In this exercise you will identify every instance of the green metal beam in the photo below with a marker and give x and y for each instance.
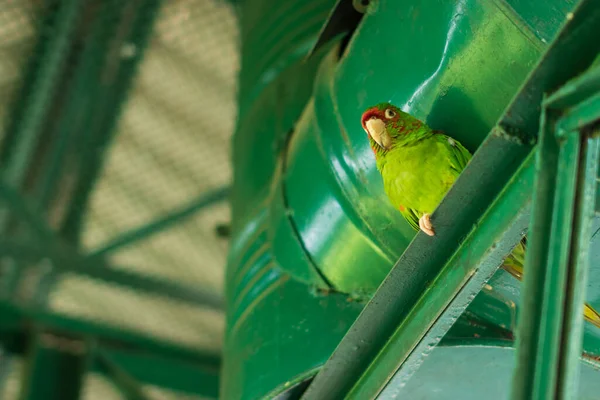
(178, 375)
(134, 28)
(494, 163)
(575, 91)
(25, 211)
(67, 261)
(77, 103)
(476, 260)
(51, 60)
(165, 222)
(550, 329)
(127, 385)
(146, 359)
(55, 368)
(5, 367)
(490, 169)
(18, 321)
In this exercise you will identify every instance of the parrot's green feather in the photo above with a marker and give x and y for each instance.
(415, 184)
(419, 168)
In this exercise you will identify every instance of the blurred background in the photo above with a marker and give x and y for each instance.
(157, 208)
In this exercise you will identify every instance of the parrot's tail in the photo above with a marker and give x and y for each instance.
(514, 266)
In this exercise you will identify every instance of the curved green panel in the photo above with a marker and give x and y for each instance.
(282, 338)
(439, 66)
(314, 234)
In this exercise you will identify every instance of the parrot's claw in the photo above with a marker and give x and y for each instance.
(425, 225)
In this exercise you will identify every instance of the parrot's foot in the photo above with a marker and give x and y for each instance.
(425, 225)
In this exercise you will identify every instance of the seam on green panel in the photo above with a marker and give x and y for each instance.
(282, 166)
(251, 271)
(238, 319)
(519, 23)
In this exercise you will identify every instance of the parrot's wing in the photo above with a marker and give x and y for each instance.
(459, 155)
(412, 216)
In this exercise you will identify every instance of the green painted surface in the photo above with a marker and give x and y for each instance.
(476, 369)
(450, 79)
(310, 215)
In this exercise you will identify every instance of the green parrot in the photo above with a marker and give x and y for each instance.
(418, 166)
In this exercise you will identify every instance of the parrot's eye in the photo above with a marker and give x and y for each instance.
(389, 113)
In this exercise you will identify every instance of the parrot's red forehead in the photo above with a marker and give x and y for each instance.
(370, 113)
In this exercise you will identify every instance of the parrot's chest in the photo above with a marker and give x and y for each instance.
(417, 176)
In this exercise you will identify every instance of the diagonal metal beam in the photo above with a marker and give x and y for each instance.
(69, 262)
(145, 231)
(490, 169)
(134, 28)
(18, 322)
(150, 360)
(178, 375)
(29, 121)
(66, 259)
(24, 210)
(127, 385)
(476, 260)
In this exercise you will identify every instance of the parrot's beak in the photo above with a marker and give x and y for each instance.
(376, 129)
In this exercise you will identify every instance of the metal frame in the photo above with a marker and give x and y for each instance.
(551, 329)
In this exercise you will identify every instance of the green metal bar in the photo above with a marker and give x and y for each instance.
(169, 373)
(489, 171)
(135, 27)
(127, 385)
(17, 321)
(62, 23)
(147, 230)
(5, 366)
(551, 329)
(79, 101)
(23, 209)
(475, 261)
(55, 368)
(70, 262)
(587, 113)
(576, 90)
(77, 115)
(98, 269)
